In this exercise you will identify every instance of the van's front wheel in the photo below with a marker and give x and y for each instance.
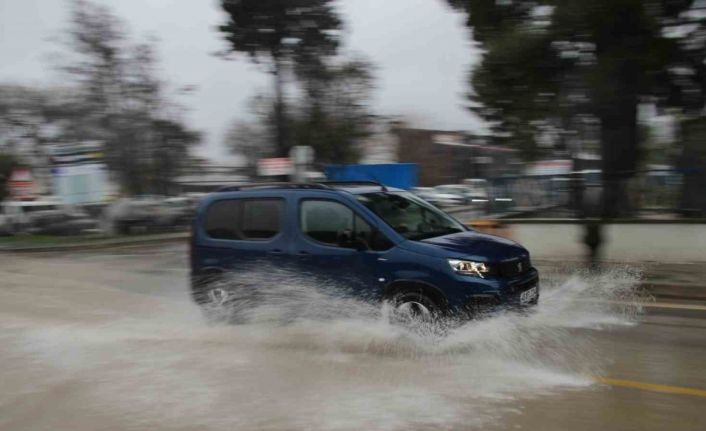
(412, 307)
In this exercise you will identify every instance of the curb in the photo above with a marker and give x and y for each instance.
(118, 242)
(511, 220)
(504, 215)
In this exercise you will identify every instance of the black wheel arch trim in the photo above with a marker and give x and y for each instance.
(433, 292)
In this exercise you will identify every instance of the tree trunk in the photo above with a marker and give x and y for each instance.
(691, 164)
(618, 148)
(617, 110)
(281, 130)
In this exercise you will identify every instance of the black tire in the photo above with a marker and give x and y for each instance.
(223, 300)
(202, 285)
(414, 306)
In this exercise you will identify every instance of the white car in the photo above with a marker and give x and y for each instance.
(426, 193)
(431, 195)
(477, 189)
(453, 194)
(148, 212)
(18, 215)
(46, 216)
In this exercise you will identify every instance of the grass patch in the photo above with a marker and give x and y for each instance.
(35, 240)
(28, 241)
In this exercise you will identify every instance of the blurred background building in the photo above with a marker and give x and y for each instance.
(447, 157)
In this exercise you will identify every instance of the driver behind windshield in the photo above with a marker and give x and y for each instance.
(409, 216)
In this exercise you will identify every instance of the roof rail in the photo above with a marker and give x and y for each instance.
(355, 183)
(282, 185)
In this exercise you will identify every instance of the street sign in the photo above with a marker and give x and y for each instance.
(21, 184)
(301, 154)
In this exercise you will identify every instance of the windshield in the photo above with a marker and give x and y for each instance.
(410, 216)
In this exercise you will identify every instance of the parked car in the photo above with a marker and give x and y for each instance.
(380, 243)
(457, 193)
(448, 196)
(146, 212)
(5, 227)
(432, 196)
(184, 208)
(48, 217)
(477, 189)
(425, 193)
(17, 214)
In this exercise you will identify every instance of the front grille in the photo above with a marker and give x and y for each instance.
(515, 267)
(524, 285)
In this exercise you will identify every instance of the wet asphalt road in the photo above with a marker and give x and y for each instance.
(105, 340)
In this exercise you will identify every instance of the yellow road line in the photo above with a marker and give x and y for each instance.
(675, 306)
(652, 387)
(671, 305)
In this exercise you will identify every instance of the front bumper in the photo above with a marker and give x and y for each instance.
(498, 291)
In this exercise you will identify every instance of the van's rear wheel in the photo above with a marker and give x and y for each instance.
(209, 289)
(218, 296)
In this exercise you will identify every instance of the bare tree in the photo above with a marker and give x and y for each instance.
(123, 103)
(249, 140)
(334, 114)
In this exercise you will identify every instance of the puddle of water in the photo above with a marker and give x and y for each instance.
(299, 358)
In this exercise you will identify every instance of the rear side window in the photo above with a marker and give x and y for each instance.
(260, 219)
(244, 219)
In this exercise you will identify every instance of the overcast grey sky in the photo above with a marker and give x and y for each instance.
(421, 50)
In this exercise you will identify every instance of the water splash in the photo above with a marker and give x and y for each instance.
(299, 356)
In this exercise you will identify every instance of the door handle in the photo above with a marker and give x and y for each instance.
(276, 251)
(303, 253)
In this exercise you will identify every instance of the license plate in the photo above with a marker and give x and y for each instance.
(528, 295)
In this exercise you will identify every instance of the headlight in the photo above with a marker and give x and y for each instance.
(466, 267)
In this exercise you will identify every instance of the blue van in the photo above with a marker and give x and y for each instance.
(378, 242)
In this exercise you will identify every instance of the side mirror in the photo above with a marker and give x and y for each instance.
(379, 242)
(358, 244)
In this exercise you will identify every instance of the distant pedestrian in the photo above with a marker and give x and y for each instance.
(593, 227)
(593, 239)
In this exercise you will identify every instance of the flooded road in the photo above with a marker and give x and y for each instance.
(111, 340)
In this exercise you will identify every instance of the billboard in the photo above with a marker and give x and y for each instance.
(79, 184)
(79, 174)
(275, 166)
